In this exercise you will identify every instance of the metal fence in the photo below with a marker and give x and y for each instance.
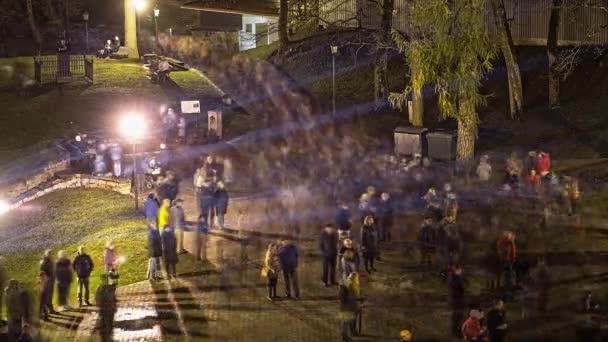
(528, 20)
(62, 69)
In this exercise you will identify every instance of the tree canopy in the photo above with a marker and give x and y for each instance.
(452, 50)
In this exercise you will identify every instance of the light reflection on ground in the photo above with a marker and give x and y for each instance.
(132, 323)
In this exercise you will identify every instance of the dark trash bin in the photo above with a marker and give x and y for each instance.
(410, 140)
(441, 145)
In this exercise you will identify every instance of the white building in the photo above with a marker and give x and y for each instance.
(256, 21)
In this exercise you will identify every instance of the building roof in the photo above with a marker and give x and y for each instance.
(264, 8)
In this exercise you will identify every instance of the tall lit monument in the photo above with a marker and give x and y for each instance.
(131, 28)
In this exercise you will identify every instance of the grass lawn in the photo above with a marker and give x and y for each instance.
(69, 219)
(44, 114)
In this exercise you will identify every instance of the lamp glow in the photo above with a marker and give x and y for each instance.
(133, 126)
(140, 5)
(4, 207)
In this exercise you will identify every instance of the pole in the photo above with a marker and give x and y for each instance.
(333, 82)
(156, 28)
(135, 177)
(86, 33)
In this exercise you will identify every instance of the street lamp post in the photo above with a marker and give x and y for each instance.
(85, 17)
(140, 6)
(334, 52)
(132, 127)
(156, 14)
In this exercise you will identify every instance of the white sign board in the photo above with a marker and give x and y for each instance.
(191, 107)
(215, 123)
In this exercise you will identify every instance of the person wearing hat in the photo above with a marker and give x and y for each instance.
(406, 336)
(472, 330)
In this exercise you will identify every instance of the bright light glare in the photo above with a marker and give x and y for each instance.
(140, 5)
(133, 126)
(78, 138)
(4, 207)
(163, 146)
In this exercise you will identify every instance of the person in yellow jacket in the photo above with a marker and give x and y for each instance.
(163, 214)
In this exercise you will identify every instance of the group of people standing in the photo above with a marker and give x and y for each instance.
(60, 273)
(210, 181)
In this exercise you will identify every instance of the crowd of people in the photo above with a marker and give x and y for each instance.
(353, 242)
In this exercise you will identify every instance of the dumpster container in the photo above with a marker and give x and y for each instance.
(441, 145)
(410, 140)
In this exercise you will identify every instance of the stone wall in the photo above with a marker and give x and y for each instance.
(43, 176)
(120, 185)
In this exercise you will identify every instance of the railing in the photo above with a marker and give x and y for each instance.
(62, 69)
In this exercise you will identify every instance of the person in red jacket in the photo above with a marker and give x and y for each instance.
(507, 253)
(544, 164)
(472, 330)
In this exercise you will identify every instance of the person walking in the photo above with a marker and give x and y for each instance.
(178, 222)
(151, 208)
(170, 251)
(105, 298)
(221, 203)
(200, 250)
(83, 266)
(155, 251)
(386, 214)
(206, 204)
(110, 258)
(116, 155)
(328, 245)
(456, 299)
(3, 281)
(369, 243)
(163, 213)
(349, 293)
(17, 309)
(343, 221)
(288, 259)
(507, 253)
(272, 268)
(426, 242)
(496, 320)
(65, 275)
(47, 284)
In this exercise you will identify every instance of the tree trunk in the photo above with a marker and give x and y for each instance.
(283, 37)
(507, 48)
(131, 29)
(467, 130)
(66, 22)
(32, 23)
(553, 73)
(381, 64)
(381, 81)
(417, 118)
